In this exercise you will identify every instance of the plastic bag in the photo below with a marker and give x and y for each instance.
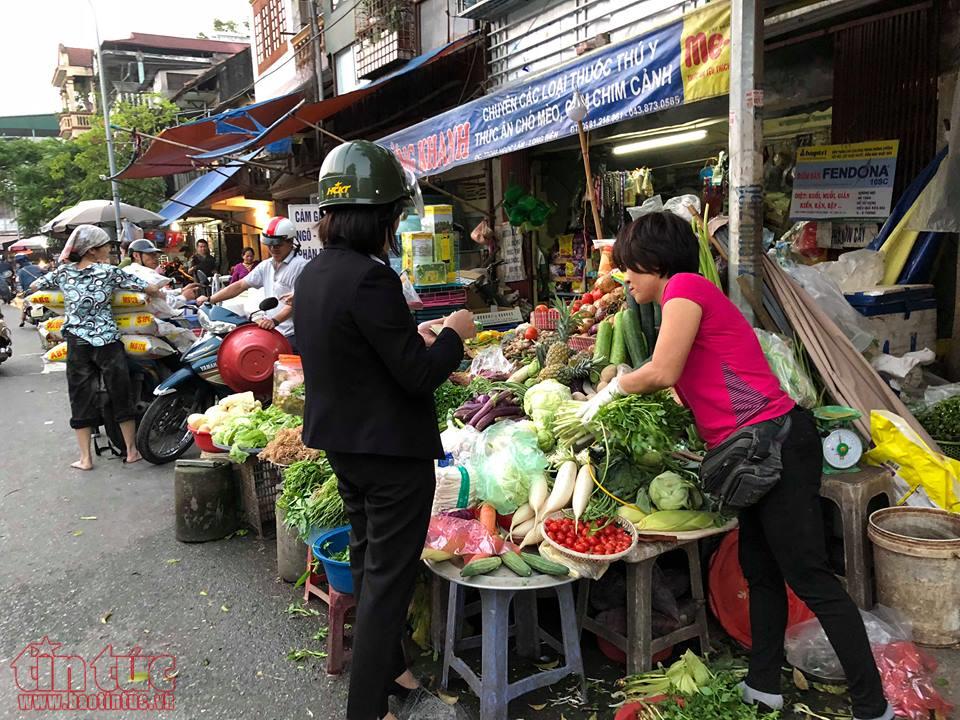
(654, 204)
(504, 462)
(454, 489)
(456, 536)
(410, 293)
(678, 206)
(459, 442)
(828, 296)
(491, 363)
(793, 378)
(855, 271)
(809, 650)
(935, 393)
(926, 477)
(907, 675)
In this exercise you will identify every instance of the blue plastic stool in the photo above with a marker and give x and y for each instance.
(497, 591)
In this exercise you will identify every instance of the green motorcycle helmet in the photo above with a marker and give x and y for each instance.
(360, 172)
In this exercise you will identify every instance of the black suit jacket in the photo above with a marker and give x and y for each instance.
(369, 376)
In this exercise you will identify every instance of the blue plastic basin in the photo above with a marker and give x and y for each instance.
(338, 573)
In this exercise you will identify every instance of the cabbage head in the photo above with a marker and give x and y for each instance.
(669, 491)
(541, 403)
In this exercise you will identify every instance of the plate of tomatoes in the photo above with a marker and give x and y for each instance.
(600, 540)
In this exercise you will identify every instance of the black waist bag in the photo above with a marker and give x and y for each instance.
(745, 466)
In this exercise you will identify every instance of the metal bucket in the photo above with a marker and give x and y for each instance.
(916, 556)
(291, 554)
(207, 500)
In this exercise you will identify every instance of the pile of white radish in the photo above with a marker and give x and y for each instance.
(572, 488)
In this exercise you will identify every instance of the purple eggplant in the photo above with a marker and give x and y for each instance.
(498, 412)
(487, 407)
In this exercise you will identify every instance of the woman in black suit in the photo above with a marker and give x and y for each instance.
(370, 373)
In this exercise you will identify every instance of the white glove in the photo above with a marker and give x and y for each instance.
(611, 392)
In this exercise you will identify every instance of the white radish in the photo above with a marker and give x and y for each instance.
(562, 489)
(523, 513)
(534, 536)
(538, 494)
(521, 530)
(582, 492)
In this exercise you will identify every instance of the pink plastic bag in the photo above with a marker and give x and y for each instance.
(907, 674)
(461, 537)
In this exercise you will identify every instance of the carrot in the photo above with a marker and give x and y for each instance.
(488, 518)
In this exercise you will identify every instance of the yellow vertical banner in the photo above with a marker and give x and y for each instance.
(705, 52)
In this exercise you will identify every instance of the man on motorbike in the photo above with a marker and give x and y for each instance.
(7, 281)
(145, 259)
(277, 276)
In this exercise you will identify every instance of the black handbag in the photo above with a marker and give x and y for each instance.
(745, 466)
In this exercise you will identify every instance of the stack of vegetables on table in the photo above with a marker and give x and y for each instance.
(525, 464)
(239, 422)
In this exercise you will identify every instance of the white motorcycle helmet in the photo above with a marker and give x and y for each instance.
(278, 229)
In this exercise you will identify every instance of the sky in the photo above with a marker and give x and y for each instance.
(31, 30)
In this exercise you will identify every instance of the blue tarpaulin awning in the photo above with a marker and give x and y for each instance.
(198, 190)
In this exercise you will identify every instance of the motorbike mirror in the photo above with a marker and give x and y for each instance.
(201, 277)
(268, 303)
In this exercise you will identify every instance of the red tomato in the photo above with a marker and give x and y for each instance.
(542, 308)
(531, 333)
(588, 298)
(577, 305)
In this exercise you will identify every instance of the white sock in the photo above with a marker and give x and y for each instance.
(753, 697)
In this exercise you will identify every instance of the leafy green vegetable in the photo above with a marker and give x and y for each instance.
(253, 431)
(310, 497)
(541, 403)
(646, 427)
(449, 396)
(942, 420)
(670, 491)
(339, 555)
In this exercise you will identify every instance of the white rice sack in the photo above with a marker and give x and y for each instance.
(139, 323)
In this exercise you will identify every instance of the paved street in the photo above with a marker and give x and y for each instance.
(62, 575)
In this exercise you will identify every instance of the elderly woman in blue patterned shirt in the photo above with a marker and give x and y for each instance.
(93, 340)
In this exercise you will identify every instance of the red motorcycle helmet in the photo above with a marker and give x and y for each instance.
(246, 358)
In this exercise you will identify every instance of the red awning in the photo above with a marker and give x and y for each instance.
(162, 158)
(213, 133)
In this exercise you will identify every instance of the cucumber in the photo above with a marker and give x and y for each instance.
(547, 567)
(601, 350)
(618, 352)
(646, 323)
(633, 337)
(516, 563)
(481, 566)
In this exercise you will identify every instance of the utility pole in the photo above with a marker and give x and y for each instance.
(317, 47)
(105, 110)
(746, 152)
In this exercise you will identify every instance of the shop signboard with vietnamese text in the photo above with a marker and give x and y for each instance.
(685, 61)
(306, 218)
(844, 182)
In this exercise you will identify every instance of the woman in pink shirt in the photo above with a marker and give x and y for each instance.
(242, 269)
(709, 353)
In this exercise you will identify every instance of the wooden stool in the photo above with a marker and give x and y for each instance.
(338, 605)
(853, 493)
(497, 591)
(639, 644)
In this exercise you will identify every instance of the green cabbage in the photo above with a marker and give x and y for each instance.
(670, 491)
(541, 403)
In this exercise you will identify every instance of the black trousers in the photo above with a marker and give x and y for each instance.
(782, 538)
(85, 364)
(388, 501)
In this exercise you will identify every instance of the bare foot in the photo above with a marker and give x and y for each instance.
(133, 457)
(81, 465)
(389, 716)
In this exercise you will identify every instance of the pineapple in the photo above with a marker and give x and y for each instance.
(578, 370)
